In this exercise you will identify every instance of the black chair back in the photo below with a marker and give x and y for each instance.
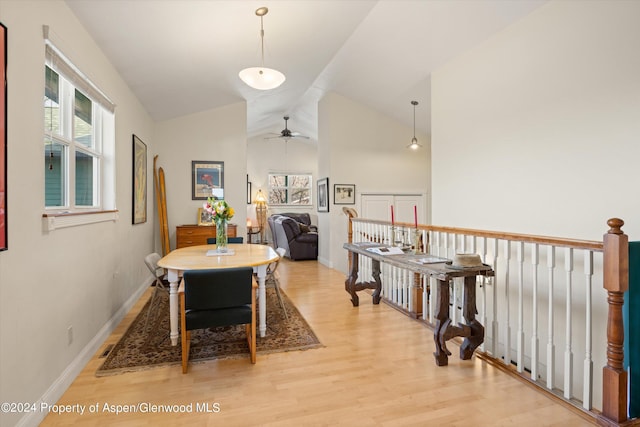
(217, 288)
(212, 240)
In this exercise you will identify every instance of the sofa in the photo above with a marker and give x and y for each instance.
(298, 238)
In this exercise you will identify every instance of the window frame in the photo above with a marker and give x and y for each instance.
(66, 137)
(99, 153)
(289, 188)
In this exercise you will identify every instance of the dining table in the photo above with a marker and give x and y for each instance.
(203, 257)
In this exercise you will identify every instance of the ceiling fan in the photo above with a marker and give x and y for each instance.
(286, 134)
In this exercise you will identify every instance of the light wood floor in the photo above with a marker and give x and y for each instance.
(376, 369)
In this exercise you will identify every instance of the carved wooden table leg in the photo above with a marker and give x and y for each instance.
(349, 284)
(352, 286)
(442, 324)
(470, 310)
(375, 265)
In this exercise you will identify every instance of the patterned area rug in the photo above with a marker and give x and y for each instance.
(140, 349)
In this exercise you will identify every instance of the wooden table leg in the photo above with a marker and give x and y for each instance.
(352, 286)
(375, 265)
(442, 324)
(470, 310)
(349, 284)
(174, 277)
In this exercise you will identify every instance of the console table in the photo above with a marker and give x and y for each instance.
(194, 235)
(441, 270)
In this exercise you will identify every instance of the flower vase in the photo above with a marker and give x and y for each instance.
(221, 235)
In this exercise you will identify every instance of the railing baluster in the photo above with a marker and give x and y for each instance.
(495, 323)
(483, 294)
(507, 339)
(534, 332)
(433, 294)
(588, 362)
(551, 349)
(520, 336)
(454, 306)
(568, 356)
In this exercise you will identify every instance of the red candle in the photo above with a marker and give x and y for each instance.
(392, 215)
(415, 215)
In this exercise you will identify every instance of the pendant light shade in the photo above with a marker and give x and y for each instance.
(414, 141)
(262, 78)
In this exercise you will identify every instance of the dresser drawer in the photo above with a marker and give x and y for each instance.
(193, 235)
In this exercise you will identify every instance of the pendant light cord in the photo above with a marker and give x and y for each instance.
(414, 119)
(262, 38)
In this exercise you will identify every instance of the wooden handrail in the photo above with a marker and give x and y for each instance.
(593, 245)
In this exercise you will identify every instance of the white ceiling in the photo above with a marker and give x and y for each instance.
(183, 56)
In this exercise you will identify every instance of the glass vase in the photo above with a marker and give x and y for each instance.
(221, 235)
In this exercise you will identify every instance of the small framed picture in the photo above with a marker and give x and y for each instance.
(344, 194)
(248, 191)
(323, 195)
(207, 179)
(204, 217)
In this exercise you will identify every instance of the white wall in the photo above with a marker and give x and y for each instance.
(536, 130)
(219, 134)
(78, 276)
(359, 145)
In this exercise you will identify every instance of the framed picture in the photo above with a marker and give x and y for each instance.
(344, 194)
(248, 191)
(204, 217)
(3, 138)
(207, 180)
(139, 180)
(323, 195)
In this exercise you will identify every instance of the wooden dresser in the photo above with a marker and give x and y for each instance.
(192, 235)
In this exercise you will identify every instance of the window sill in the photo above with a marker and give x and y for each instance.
(55, 221)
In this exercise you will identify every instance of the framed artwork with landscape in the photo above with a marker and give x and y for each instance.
(323, 195)
(207, 179)
(139, 181)
(344, 194)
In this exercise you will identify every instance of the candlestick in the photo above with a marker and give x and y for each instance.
(392, 221)
(415, 215)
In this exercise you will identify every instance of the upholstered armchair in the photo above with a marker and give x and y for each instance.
(304, 219)
(289, 234)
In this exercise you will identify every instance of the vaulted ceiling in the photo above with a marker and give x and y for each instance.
(183, 56)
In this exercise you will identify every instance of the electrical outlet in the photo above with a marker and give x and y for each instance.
(69, 335)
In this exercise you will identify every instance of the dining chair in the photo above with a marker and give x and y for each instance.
(271, 272)
(160, 283)
(212, 240)
(217, 297)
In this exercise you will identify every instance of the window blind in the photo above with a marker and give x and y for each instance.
(60, 63)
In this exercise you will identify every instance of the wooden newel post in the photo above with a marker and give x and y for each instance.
(350, 213)
(616, 282)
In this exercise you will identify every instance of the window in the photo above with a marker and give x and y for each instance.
(79, 142)
(285, 189)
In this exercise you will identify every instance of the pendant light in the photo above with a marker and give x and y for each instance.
(262, 78)
(414, 141)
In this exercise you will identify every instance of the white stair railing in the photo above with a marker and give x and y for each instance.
(551, 311)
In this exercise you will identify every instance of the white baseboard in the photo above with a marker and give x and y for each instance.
(325, 262)
(62, 383)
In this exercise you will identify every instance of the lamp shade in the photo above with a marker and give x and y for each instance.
(260, 199)
(262, 78)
